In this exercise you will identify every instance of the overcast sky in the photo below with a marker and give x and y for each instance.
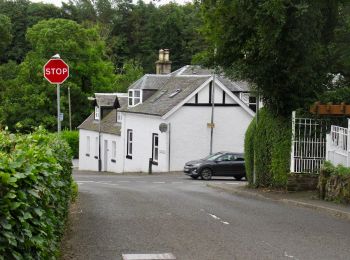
(58, 2)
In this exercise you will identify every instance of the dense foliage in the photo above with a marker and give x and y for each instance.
(269, 142)
(288, 49)
(107, 44)
(35, 190)
(72, 138)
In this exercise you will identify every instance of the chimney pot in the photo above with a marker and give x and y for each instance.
(161, 55)
(166, 55)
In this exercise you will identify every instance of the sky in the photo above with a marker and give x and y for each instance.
(58, 2)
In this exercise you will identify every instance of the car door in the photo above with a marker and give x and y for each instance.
(223, 165)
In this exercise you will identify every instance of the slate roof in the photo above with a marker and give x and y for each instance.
(150, 81)
(106, 100)
(108, 123)
(161, 103)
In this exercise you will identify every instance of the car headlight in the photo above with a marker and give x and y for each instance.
(196, 165)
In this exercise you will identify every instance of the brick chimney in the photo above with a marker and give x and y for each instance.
(163, 64)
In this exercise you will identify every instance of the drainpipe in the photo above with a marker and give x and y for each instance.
(169, 135)
(212, 115)
(99, 141)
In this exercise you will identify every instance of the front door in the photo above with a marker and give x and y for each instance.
(105, 156)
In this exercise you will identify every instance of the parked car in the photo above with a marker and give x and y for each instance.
(218, 164)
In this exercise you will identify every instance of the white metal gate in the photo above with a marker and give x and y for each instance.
(308, 144)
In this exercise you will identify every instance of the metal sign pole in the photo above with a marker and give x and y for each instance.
(70, 111)
(58, 109)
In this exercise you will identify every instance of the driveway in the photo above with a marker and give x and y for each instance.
(173, 214)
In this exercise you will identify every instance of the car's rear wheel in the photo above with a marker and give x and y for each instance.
(194, 177)
(238, 178)
(206, 174)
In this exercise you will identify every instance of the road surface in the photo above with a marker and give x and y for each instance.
(171, 213)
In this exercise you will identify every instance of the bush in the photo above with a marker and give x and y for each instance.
(72, 138)
(334, 183)
(35, 191)
(270, 139)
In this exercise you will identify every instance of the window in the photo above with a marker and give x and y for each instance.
(129, 144)
(88, 146)
(119, 117)
(135, 97)
(114, 149)
(155, 150)
(97, 113)
(96, 147)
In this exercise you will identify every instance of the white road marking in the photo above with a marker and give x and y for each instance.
(123, 181)
(177, 182)
(232, 183)
(214, 217)
(289, 256)
(159, 182)
(224, 222)
(148, 256)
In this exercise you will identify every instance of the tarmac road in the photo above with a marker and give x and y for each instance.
(131, 214)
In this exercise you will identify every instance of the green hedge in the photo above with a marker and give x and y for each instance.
(35, 191)
(270, 139)
(72, 138)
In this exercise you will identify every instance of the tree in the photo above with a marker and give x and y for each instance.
(131, 72)
(31, 100)
(5, 32)
(280, 46)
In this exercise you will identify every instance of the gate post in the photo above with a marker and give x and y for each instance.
(292, 164)
(347, 145)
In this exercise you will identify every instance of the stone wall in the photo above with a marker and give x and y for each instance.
(302, 181)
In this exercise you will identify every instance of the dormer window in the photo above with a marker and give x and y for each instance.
(135, 97)
(97, 113)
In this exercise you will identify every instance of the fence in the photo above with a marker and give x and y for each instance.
(337, 151)
(308, 144)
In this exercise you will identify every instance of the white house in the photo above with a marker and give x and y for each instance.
(167, 118)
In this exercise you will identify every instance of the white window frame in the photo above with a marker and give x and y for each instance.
(155, 148)
(114, 149)
(88, 146)
(119, 117)
(129, 143)
(97, 113)
(132, 97)
(96, 146)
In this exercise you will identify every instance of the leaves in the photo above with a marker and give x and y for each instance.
(35, 194)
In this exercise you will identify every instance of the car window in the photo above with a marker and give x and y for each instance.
(239, 159)
(226, 158)
(212, 155)
(215, 157)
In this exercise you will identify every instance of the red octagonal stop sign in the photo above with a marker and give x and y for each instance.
(56, 71)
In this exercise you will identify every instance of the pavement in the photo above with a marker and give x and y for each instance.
(306, 199)
(168, 216)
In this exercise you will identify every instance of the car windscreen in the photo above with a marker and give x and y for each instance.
(214, 157)
(211, 155)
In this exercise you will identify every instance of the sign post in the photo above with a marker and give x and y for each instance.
(56, 71)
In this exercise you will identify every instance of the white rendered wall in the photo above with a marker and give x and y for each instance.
(190, 135)
(143, 127)
(89, 163)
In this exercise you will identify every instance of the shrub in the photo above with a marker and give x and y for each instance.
(35, 191)
(72, 138)
(334, 183)
(270, 140)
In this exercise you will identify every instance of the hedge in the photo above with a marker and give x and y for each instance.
(270, 140)
(72, 138)
(35, 191)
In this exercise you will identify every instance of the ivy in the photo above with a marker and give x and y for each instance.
(35, 191)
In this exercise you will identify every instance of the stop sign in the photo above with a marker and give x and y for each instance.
(56, 71)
